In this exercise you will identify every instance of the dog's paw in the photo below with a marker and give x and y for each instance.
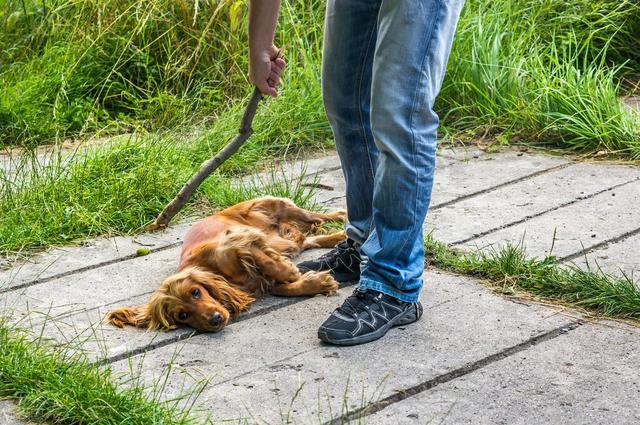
(321, 282)
(338, 215)
(291, 274)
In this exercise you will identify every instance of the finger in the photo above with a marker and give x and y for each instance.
(273, 82)
(266, 89)
(275, 76)
(279, 53)
(280, 64)
(276, 70)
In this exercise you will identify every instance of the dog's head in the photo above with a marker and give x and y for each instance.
(192, 297)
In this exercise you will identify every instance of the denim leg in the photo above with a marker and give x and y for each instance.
(413, 41)
(349, 43)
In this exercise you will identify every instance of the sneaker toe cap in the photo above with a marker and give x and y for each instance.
(334, 329)
(332, 335)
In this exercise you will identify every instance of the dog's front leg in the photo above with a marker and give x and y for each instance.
(310, 283)
(275, 266)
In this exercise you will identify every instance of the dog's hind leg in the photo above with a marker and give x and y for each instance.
(310, 283)
(304, 217)
(324, 241)
(283, 209)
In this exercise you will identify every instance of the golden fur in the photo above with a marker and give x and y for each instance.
(231, 258)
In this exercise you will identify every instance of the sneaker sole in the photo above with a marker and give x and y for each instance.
(410, 316)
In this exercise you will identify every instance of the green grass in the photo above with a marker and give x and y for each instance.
(529, 71)
(509, 271)
(76, 67)
(120, 187)
(546, 71)
(57, 385)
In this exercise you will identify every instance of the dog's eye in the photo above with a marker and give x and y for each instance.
(183, 315)
(195, 293)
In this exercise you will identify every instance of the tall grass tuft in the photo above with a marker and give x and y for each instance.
(56, 385)
(72, 67)
(545, 71)
(119, 187)
(526, 70)
(509, 270)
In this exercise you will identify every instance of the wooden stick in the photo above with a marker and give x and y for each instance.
(210, 165)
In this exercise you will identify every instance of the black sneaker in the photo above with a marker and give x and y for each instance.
(366, 316)
(343, 262)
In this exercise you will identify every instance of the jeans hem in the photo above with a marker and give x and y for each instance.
(380, 287)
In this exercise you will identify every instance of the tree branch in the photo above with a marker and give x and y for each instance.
(210, 165)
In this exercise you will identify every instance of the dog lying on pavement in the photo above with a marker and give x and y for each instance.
(231, 258)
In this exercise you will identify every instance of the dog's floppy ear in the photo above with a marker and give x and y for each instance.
(137, 316)
(233, 299)
(158, 311)
(152, 317)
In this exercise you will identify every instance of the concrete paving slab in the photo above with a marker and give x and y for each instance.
(615, 258)
(330, 186)
(15, 164)
(463, 178)
(93, 288)
(578, 226)
(93, 253)
(588, 376)
(301, 166)
(460, 152)
(273, 366)
(444, 289)
(330, 179)
(489, 212)
(9, 416)
(459, 178)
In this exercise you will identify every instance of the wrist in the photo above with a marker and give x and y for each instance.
(260, 49)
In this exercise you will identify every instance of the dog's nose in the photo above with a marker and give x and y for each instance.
(216, 319)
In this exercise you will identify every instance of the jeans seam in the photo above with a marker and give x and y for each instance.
(362, 126)
(427, 53)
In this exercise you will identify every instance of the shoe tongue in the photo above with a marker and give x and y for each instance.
(355, 302)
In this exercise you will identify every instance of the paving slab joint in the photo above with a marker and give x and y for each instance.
(599, 245)
(501, 185)
(454, 374)
(541, 213)
(83, 269)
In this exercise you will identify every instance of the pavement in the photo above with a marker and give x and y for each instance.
(475, 357)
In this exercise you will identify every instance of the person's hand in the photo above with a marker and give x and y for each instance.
(265, 68)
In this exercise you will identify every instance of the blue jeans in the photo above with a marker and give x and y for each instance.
(383, 65)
